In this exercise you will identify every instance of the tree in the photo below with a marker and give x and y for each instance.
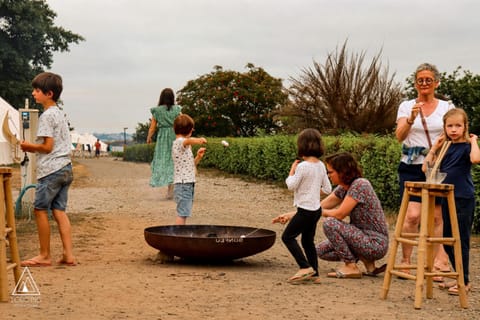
(28, 38)
(141, 132)
(463, 91)
(230, 103)
(342, 95)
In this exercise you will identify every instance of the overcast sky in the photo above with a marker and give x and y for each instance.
(135, 48)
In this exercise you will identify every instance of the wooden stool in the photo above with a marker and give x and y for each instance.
(7, 230)
(425, 240)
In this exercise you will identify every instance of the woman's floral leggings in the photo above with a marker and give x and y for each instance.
(346, 242)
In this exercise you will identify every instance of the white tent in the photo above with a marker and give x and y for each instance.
(78, 138)
(92, 140)
(80, 141)
(10, 133)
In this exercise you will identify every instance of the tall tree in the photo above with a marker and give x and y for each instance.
(343, 95)
(28, 39)
(230, 103)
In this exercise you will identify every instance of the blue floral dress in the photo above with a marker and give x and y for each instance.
(162, 163)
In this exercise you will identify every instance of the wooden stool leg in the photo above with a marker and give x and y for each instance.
(421, 250)
(430, 256)
(426, 240)
(12, 236)
(394, 246)
(3, 248)
(457, 250)
(7, 229)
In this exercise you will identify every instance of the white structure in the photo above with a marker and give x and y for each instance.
(80, 141)
(9, 135)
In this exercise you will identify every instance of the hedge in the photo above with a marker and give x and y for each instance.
(270, 158)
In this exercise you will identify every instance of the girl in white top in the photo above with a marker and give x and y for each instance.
(307, 178)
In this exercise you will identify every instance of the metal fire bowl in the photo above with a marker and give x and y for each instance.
(209, 242)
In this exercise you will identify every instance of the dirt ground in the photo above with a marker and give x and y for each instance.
(119, 276)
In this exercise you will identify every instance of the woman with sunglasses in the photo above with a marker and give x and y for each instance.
(419, 122)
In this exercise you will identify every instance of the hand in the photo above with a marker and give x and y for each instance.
(415, 111)
(296, 162)
(438, 143)
(201, 152)
(294, 167)
(203, 141)
(473, 138)
(283, 218)
(24, 145)
(280, 219)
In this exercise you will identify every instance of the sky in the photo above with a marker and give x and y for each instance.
(135, 48)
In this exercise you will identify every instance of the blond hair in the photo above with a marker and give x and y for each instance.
(457, 112)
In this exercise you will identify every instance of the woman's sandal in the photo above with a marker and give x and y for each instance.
(406, 271)
(315, 280)
(439, 278)
(376, 271)
(454, 290)
(447, 285)
(341, 275)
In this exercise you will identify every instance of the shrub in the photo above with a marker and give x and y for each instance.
(270, 158)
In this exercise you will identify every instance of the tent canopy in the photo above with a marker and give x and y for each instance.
(87, 138)
(9, 134)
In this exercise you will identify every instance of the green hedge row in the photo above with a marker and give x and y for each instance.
(270, 158)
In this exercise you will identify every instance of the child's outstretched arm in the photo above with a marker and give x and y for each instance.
(284, 218)
(191, 141)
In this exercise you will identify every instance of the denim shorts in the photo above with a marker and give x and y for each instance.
(183, 195)
(52, 190)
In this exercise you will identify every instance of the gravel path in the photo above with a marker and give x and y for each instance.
(119, 276)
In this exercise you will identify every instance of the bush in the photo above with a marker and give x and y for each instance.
(139, 152)
(270, 158)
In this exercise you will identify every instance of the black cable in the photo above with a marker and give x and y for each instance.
(25, 156)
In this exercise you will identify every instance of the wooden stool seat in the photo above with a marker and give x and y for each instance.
(7, 233)
(424, 240)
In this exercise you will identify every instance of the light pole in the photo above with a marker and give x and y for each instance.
(125, 136)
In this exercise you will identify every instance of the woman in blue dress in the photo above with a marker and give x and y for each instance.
(163, 116)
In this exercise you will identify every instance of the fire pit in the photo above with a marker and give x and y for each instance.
(209, 242)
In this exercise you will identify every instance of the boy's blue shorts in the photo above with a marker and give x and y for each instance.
(183, 195)
(52, 190)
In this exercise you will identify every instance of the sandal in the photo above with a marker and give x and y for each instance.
(454, 290)
(315, 279)
(407, 271)
(376, 271)
(301, 275)
(447, 285)
(341, 275)
(439, 278)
